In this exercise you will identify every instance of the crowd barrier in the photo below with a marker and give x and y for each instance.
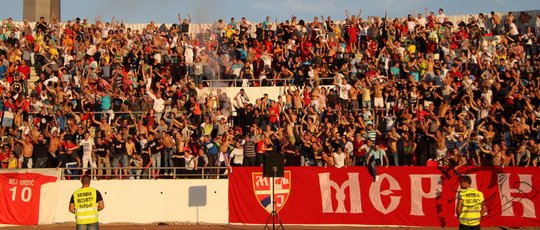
(404, 196)
(129, 172)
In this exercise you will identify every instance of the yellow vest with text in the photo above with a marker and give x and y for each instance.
(86, 211)
(472, 206)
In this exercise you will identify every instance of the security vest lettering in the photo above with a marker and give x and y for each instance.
(86, 211)
(472, 206)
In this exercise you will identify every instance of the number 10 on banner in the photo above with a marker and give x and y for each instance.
(26, 193)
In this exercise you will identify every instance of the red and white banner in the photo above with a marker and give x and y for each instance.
(20, 196)
(403, 196)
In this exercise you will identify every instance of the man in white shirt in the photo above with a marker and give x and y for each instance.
(92, 49)
(349, 147)
(441, 16)
(53, 78)
(236, 157)
(411, 23)
(36, 104)
(267, 60)
(88, 147)
(340, 158)
(159, 103)
(343, 88)
(202, 94)
(190, 161)
(513, 30)
(421, 20)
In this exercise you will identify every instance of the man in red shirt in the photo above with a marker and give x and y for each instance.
(455, 74)
(73, 159)
(261, 150)
(273, 112)
(421, 113)
(359, 153)
(24, 69)
(4, 156)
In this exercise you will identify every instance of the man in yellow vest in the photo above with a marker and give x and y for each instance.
(470, 206)
(85, 203)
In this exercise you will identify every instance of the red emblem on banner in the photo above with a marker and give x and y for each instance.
(262, 187)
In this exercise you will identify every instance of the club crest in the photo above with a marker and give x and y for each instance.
(262, 187)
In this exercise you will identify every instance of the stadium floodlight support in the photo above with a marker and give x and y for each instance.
(34, 9)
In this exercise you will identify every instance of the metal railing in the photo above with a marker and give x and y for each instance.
(238, 82)
(124, 173)
(97, 112)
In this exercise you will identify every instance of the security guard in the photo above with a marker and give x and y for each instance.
(470, 206)
(85, 203)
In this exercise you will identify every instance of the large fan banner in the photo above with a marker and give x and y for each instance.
(402, 196)
(27, 196)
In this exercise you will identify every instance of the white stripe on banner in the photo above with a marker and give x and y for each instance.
(277, 191)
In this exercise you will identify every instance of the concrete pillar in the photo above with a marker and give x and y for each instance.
(34, 9)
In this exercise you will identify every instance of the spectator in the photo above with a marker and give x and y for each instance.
(376, 157)
(211, 151)
(435, 86)
(5, 156)
(340, 158)
(25, 160)
(237, 155)
(40, 152)
(120, 157)
(201, 162)
(88, 149)
(249, 151)
(136, 163)
(103, 157)
(154, 148)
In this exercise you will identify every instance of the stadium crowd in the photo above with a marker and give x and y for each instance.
(418, 90)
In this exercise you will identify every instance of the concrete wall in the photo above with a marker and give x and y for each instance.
(255, 92)
(151, 201)
(252, 92)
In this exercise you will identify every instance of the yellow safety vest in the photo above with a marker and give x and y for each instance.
(86, 211)
(472, 206)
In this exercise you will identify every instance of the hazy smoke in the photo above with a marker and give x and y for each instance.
(207, 11)
(131, 11)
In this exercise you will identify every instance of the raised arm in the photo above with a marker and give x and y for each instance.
(179, 16)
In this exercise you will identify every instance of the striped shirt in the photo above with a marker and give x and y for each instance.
(249, 149)
(371, 134)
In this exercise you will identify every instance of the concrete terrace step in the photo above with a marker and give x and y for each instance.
(33, 78)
